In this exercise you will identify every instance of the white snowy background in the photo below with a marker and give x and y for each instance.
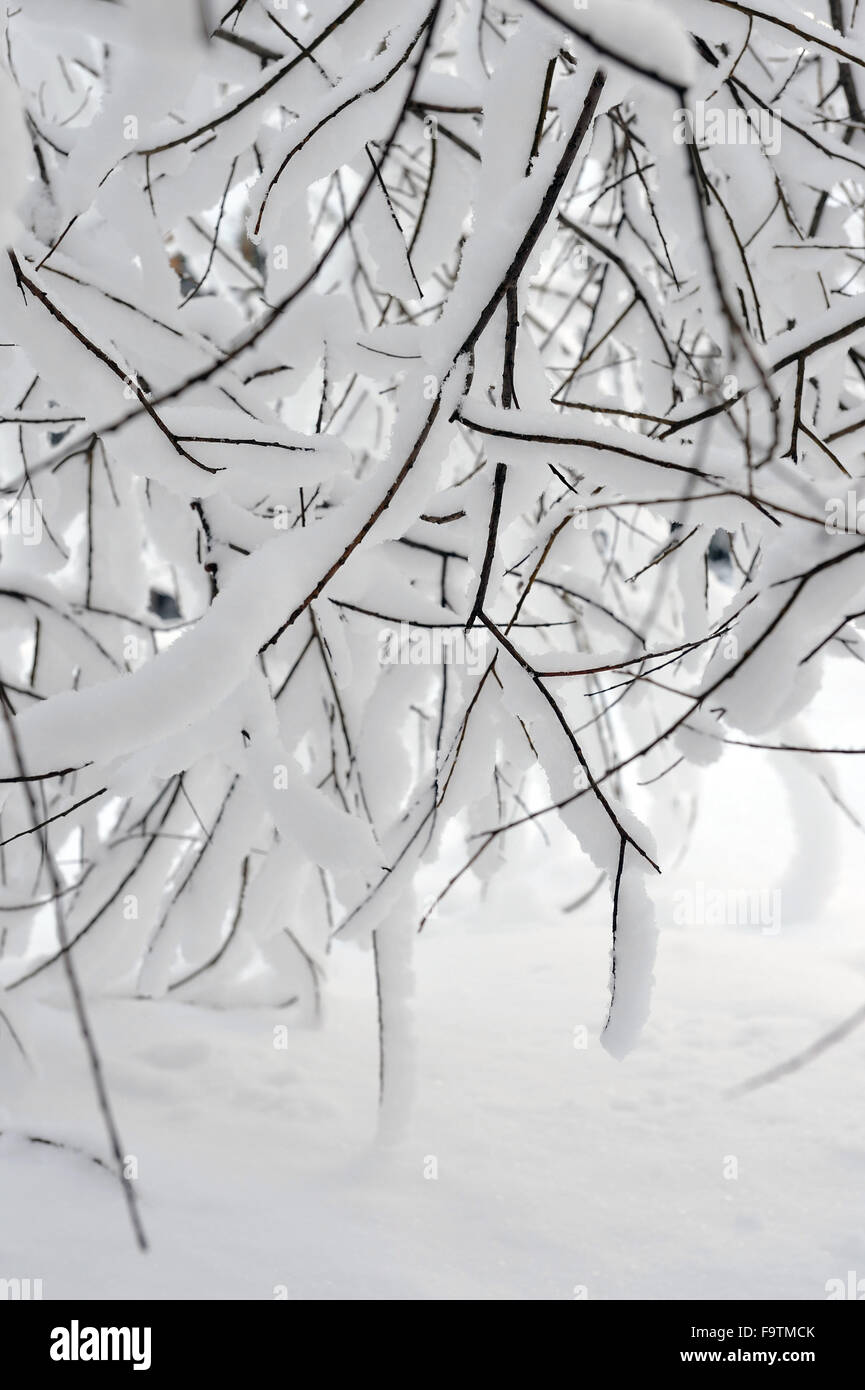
(559, 1169)
(288, 424)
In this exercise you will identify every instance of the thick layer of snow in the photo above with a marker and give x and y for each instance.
(557, 1166)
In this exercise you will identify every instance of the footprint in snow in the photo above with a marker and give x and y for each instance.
(176, 1055)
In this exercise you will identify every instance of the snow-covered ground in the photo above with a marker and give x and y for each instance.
(531, 1168)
